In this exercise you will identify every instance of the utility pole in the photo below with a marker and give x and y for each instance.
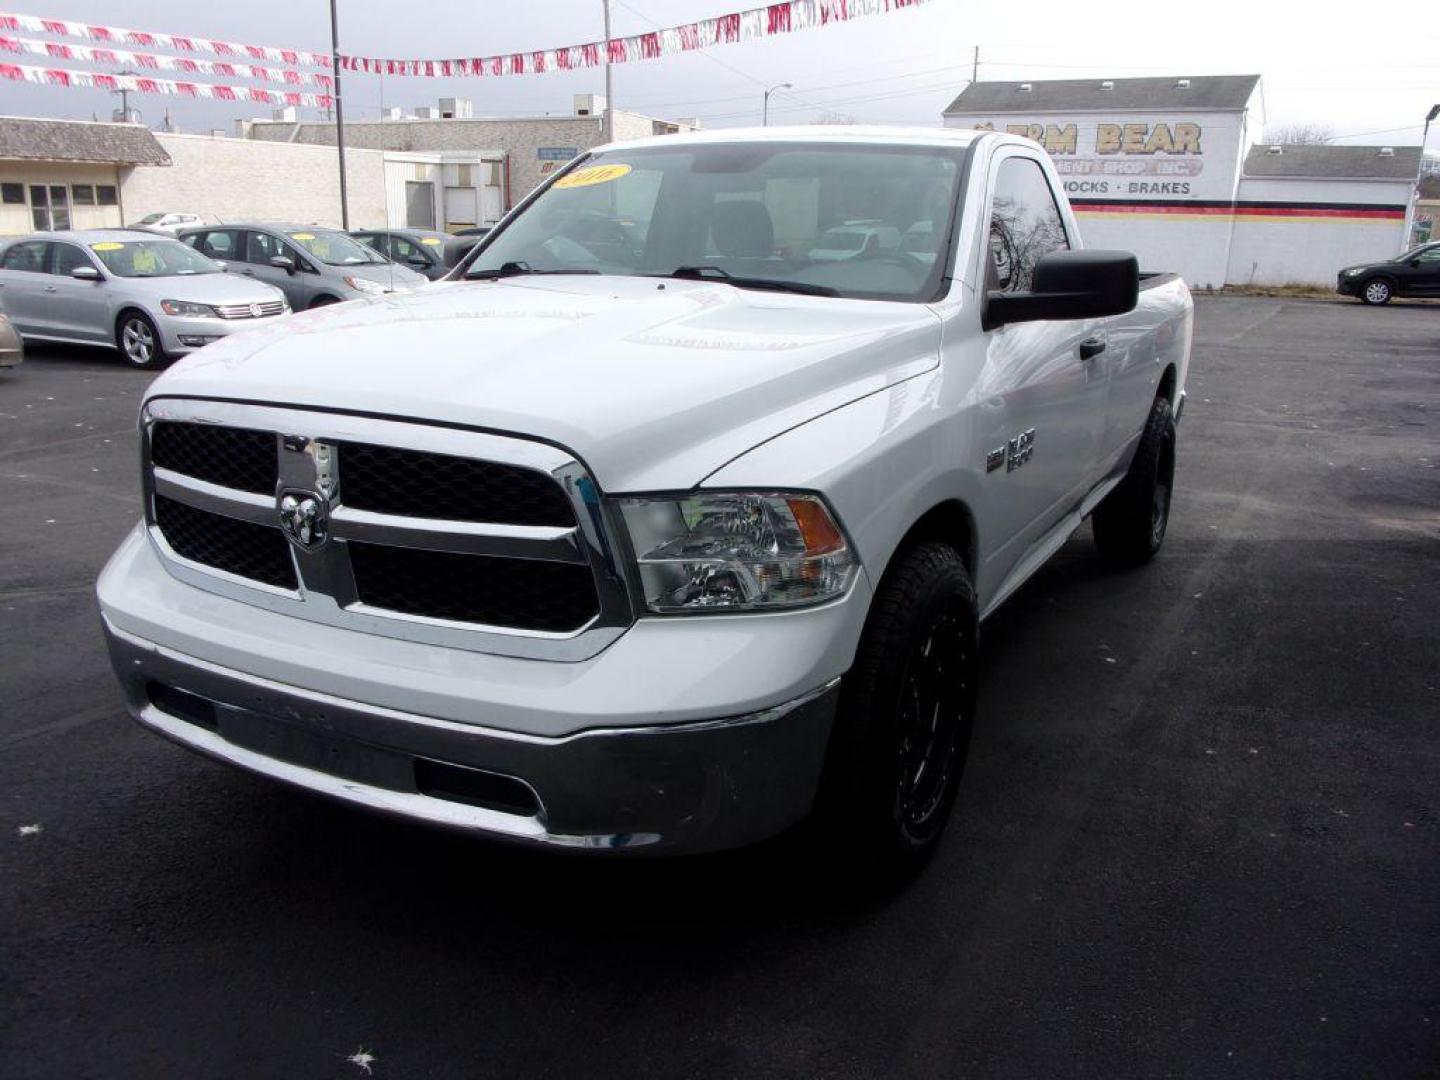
(975, 66)
(339, 111)
(1419, 176)
(609, 130)
(124, 98)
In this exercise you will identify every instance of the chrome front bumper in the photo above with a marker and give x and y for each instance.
(686, 787)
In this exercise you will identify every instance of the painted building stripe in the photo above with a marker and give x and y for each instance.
(1247, 209)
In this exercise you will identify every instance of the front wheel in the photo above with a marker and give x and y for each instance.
(906, 710)
(1376, 291)
(1130, 523)
(139, 341)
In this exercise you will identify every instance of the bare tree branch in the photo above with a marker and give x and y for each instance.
(1300, 135)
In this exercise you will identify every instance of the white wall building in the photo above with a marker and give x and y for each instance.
(1303, 212)
(524, 150)
(224, 179)
(1168, 168)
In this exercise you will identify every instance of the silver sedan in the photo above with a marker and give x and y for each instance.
(151, 297)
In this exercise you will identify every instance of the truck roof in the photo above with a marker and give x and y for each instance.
(839, 133)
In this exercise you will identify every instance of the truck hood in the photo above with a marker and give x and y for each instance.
(653, 384)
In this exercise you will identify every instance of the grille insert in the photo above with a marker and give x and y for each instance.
(231, 457)
(524, 594)
(244, 311)
(243, 548)
(414, 483)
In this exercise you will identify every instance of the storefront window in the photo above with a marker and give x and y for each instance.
(83, 194)
(49, 207)
(105, 195)
(12, 194)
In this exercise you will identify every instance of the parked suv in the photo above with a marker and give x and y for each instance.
(423, 250)
(1415, 273)
(311, 265)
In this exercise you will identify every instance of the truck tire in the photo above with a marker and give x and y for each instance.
(1130, 523)
(1376, 291)
(902, 730)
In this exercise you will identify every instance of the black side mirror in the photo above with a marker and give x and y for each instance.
(1070, 285)
(1415, 261)
(419, 262)
(284, 262)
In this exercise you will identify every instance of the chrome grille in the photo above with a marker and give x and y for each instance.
(223, 543)
(231, 457)
(439, 535)
(416, 484)
(263, 309)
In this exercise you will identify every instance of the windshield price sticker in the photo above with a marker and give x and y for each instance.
(108, 245)
(302, 236)
(593, 174)
(433, 241)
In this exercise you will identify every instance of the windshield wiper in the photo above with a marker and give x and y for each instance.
(517, 268)
(715, 273)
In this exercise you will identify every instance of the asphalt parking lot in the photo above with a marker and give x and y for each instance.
(1198, 834)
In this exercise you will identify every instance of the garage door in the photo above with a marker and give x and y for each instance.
(462, 207)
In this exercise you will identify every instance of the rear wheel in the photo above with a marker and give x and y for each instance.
(323, 301)
(139, 341)
(1130, 523)
(902, 731)
(1376, 291)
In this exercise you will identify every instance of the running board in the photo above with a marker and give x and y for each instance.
(1050, 543)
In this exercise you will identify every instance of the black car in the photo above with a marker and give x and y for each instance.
(1415, 273)
(431, 253)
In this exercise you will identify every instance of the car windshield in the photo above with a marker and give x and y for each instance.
(748, 214)
(152, 258)
(336, 249)
(150, 219)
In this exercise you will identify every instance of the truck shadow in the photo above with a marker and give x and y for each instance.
(331, 853)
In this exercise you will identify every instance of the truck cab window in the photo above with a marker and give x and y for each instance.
(1025, 224)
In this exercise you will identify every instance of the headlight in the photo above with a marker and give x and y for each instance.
(737, 551)
(1355, 270)
(188, 310)
(360, 284)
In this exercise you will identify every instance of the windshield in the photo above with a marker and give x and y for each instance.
(761, 214)
(150, 219)
(336, 249)
(152, 258)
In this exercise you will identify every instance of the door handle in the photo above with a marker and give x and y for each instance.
(51, 288)
(1093, 346)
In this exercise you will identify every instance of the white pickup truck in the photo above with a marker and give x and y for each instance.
(645, 531)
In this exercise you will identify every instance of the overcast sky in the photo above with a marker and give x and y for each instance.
(1369, 80)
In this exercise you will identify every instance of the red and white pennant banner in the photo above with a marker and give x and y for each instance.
(141, 84)
(114, 35)
(61, 50)
(760, 22)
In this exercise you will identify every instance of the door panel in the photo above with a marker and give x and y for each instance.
(260, 248)
(1426, 281)
(420, 204)
(81, 308)
(1042, 416)
(23, 279)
